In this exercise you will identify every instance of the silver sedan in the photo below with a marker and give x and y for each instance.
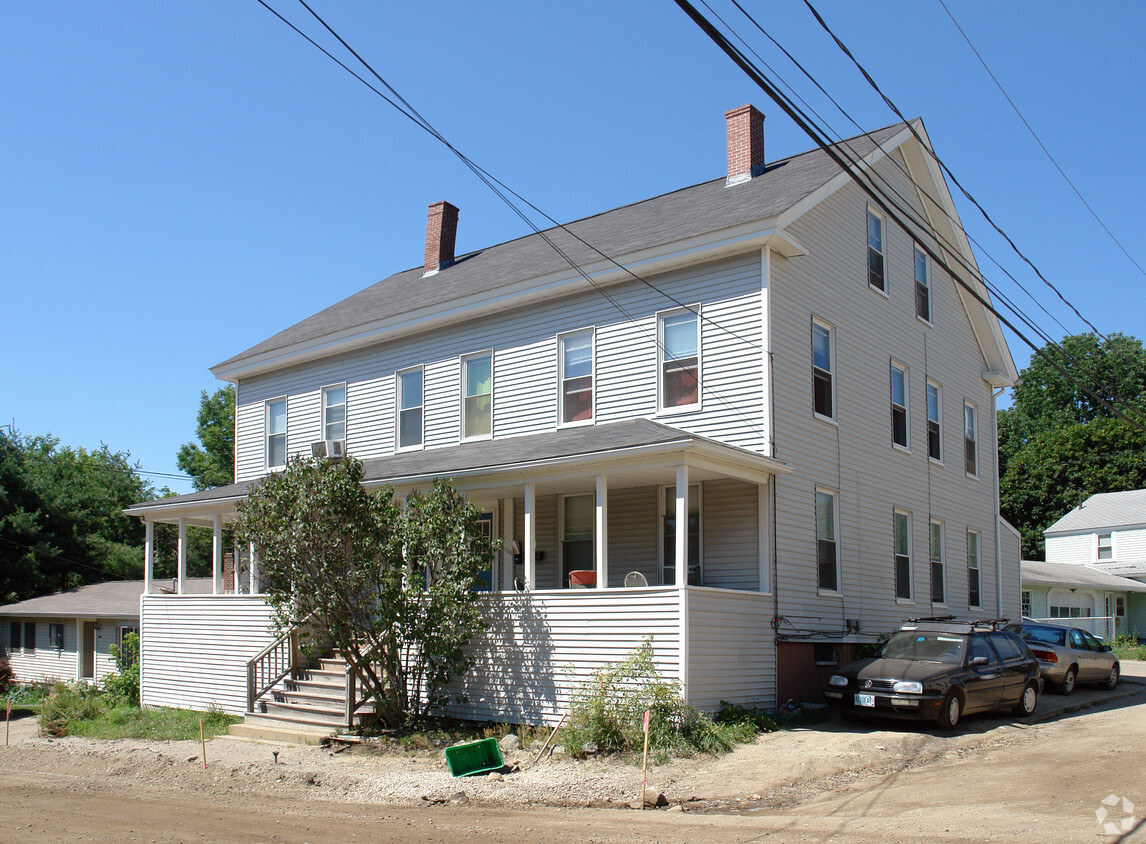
(1069, 655)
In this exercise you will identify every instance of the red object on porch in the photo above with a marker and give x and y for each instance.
(582, 578)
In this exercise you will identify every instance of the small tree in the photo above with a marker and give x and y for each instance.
(123, 685)
(392, 589)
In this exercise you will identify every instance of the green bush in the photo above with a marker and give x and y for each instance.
(608, 712)
(1126, 647)
(122, 687)
(66, 705)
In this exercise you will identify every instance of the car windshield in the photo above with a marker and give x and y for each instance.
(1045, 635)
(922, 645)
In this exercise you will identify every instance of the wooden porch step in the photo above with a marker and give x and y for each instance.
(337, 690)
(332, 678)
(308, 714)
(310, 697)
(280, 729)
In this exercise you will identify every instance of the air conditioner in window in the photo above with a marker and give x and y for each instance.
(331, 449)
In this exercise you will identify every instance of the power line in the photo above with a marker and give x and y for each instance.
(70, 562)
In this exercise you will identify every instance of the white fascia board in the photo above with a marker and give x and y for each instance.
(702, 248)
(192, 511)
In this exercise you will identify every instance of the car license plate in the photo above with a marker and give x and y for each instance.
(865, 700)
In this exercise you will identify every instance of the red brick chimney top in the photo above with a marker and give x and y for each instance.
(745, 143)
(441, 232)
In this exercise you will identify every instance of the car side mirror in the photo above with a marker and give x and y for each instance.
(1106, 649)
(979, 660)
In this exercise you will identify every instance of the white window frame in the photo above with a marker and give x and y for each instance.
(831, 371)
(399, 409)
(561, 379)
(937, 421)
(910, 597)
(924, 284)
(935, 556)
(896, 366)
(285, 434)
(974, 564)
(663, 360)
(695, 488)
(465, 359)
(833, 495)
(1025, 603)
(326, 407)
(971, 437)
(872, 213)
(1099, 546)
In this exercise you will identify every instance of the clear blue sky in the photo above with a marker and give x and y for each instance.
(179, 181)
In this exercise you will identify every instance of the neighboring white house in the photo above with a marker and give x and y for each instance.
(767, 401)
(1107, 534)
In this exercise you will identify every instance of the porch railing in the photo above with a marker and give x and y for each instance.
(274, 662)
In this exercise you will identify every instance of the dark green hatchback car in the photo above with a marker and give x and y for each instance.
(940, 670)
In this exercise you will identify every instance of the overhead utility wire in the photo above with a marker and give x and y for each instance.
(764, 84)
(843, 47)
(492, 183)
(995, 289)
(1039, 141)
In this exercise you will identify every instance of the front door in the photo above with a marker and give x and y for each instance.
(87, 651)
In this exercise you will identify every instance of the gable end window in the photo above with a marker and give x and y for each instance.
(970, 440)
(875, 274)
(477, 395)
(922, 285)
(938, 573)
(823, 385)
(409, 386)
(934, 409)
(334, 412)
(902, 555)
(827, 545)
(899, 425)
(276, 427)
(1106, 546)
(974, 599)
(575, 359)
(680, 359)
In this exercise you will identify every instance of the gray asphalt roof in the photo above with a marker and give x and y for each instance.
(668, 218)
(1105, 510)
(116, 598)
(1070, 574)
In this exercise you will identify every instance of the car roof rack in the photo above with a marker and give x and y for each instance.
(931, 618)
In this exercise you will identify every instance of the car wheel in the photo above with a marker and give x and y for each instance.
(1027, 701)
(1067, 684)
(952, 709)
(1112, 678)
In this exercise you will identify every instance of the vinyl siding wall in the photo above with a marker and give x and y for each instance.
(524, 344)
(195, 649)
(48, 663)
(855, 455)
(1128, 545)
(731, 648)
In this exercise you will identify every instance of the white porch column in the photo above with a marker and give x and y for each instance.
(148, 555)
(217, 557)
(681, 537)
(530, 549)
(80, 650)
(601, 534)
(508, 523)
(254, 572)
(181, 564)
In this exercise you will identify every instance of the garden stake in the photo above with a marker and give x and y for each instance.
(203, 742)
(645, 762)
(7, 722)
(551, 735)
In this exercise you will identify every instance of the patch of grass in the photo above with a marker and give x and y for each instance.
(1127, 647)
(81, 710)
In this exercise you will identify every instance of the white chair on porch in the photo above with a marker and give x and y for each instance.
(635, 578)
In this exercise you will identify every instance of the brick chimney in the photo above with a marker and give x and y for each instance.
(441, 232)
(745, 143)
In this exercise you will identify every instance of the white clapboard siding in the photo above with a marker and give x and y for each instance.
(540, 647)
(195, 649)
(1074, 548)
(1129, 545)
(731, 535)
(731, 648)
(46, 663)
(633, 526)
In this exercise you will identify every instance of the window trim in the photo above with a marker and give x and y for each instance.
(662, 360)
(831, 372)
(910, 597)
(977, 567)
(906, 406)
(399, 409)
(872, 213)
(937, 421)
(925, 285)
(971, 413)
(267, 465)
(1098, 546)
(936, 529)
(325, 406)
(561, 379)
(57, 636)
(835, 500)
(464, 361)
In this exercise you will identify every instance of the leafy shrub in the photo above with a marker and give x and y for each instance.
(122, 687)
(6, 675)
(68, 704)
(1126, 647)
(608, 711)
(731, 713)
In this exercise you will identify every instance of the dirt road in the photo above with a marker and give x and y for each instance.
(994, 779)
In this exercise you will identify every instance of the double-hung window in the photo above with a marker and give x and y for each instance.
(823, 358)
(970, 440)
(922, 285)
(334, 412)
(477, 398)
(576, 377)
(1106, 546)
(680, 359)
(934, 411)
(409, 386)
(974, 598)
(899, 426)
(1026, 604)
(938, 574)
(827, 544)
(276, 427)
(902, 555)
(56, 636)
(875, 273)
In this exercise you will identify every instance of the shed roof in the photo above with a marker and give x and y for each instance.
(1104, 510)
(1074, 574)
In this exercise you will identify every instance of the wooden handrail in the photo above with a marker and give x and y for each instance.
(267, 668)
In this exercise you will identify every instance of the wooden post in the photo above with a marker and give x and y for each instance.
(530, 549)
(601, 532)
(148, 555)
(181, 566)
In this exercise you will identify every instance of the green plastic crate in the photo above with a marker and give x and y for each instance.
(475, 757)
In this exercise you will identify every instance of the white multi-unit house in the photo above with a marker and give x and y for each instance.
(751, 418)
(1095, 566)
